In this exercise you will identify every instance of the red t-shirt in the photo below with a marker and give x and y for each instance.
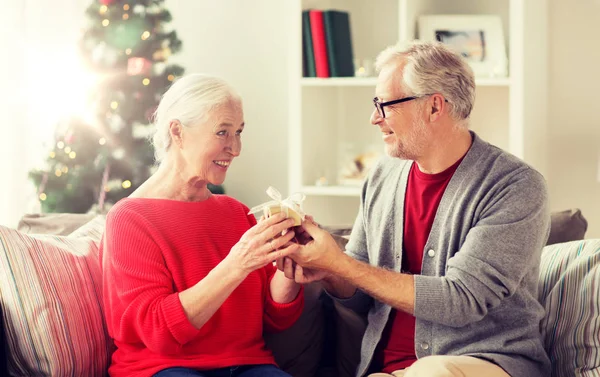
(155, 248)
(396, 350)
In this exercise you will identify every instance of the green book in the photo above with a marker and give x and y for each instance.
(308, 54)
(339, 43)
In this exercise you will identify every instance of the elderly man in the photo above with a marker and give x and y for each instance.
(446, 245)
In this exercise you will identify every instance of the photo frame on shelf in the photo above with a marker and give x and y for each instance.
(478, 38)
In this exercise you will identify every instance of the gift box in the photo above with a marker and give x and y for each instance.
(291, 206)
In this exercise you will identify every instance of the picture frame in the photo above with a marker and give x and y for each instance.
(477, 38)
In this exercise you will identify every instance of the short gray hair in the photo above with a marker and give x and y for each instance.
(188, 100)
(432, 67)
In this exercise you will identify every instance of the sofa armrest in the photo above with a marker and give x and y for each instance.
(565, 226)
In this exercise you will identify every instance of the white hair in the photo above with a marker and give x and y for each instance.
(188, 100)
(432, 67)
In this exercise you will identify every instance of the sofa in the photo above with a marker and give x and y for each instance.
(52, 317)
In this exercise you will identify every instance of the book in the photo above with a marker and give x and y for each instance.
(308, 56)
(339, 43)
(319, 43)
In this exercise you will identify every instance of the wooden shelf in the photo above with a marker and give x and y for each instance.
(331, 190)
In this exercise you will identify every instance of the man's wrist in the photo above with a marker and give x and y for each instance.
(329, 284)
(338, 287)
(336, 263)
(329, 279)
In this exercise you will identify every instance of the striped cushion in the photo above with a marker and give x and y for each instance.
(50, 289)
(570, 292)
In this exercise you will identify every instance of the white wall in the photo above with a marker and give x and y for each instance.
(11, 108)
(574, 125)
(34, 34)
(243, 42)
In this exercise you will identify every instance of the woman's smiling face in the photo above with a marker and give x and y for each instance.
(209, 147)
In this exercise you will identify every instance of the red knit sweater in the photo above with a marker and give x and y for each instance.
(152, 250)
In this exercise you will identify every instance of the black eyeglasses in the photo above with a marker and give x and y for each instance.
(380, 105)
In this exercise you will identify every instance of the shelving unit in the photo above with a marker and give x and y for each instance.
(329, 118)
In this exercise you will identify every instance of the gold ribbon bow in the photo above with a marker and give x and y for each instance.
(292, 205)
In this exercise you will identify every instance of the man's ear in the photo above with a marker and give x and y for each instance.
(437, 106)
(176, 131)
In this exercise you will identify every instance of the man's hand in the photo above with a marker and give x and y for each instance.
(308, 275)
(300, 275)
(302, 236)
(319, 253)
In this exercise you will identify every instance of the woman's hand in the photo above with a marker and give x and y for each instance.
(259, 247)
(283, 289)
(255, 249)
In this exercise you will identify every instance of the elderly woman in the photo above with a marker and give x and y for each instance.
(188, 279)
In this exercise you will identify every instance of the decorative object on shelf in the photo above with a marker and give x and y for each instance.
(321, 181)
(478, 38)
(292, 205)
(354, 172)
(364, 68)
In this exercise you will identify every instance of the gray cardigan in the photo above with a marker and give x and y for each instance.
(477, 291)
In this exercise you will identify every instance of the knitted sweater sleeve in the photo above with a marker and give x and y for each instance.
(277, 316)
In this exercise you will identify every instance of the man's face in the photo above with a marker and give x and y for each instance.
(404, 128)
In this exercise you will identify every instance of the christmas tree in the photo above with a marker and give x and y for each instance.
(102, 154)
